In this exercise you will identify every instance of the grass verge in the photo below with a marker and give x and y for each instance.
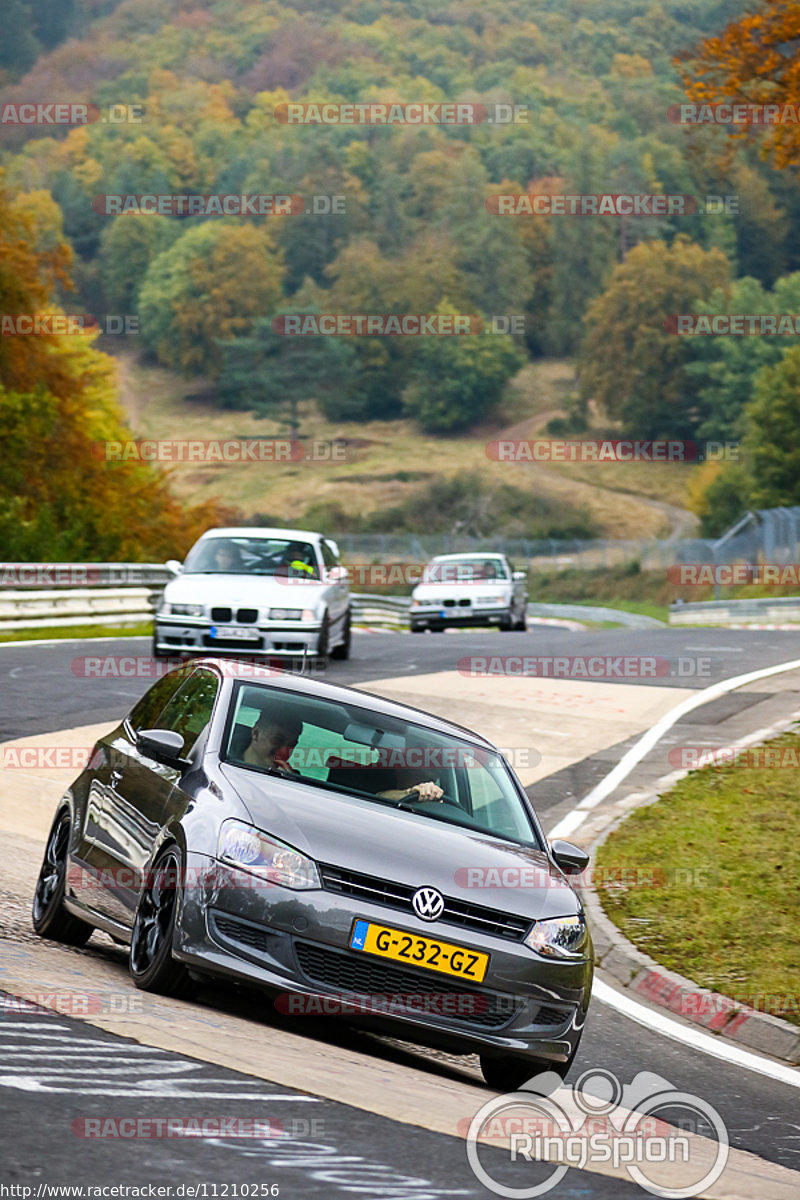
(707, 879)
(62, 632)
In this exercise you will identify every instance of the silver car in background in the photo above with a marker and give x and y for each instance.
(469, 589)
(257, 592)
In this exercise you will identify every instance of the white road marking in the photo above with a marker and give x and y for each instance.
(688, 1035)
(646, 742)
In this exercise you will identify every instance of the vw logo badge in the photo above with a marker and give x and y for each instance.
(428, 903)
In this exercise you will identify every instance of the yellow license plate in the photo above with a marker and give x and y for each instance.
(418, 951)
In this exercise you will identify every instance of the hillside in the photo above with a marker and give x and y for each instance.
(387, 463)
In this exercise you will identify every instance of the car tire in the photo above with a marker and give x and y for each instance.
(507, 623)
(522, 623)
(417, 628)
(323, 644)
(49, 917)
(342, 651)
(508, 1072)
(150, 962)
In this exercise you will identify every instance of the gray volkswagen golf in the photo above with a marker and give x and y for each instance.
(347, 854)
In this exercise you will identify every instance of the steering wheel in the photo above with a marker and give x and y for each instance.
(406, 798)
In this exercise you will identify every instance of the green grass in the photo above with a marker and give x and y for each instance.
(143, 629)
(707, 880)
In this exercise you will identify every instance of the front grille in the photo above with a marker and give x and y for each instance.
(449, 604)
(398, 895)
(464, 603)
(247, 616)
(366, 976)
(221, 614)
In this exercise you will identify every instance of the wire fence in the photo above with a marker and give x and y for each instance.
(765, 535)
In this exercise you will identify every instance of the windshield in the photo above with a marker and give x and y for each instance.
(465, 570)
(378, 759)
(252, 556)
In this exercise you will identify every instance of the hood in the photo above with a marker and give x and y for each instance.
(361, 835)
(246, 591)
(457, 591)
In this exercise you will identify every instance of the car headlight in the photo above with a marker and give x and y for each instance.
(184, 610)
(251, 850)
(559, 937)
(285, 614)
(493, 599)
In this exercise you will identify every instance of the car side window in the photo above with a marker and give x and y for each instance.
(328, 557)
(190, 709)
(145, 713)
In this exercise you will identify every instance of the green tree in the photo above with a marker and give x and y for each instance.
(631, 365)
(771, 444)
(208, 287)
(459, 380)
(272, 374)
(127, 248)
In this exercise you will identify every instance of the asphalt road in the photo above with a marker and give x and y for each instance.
(46, 687)
(44, 690)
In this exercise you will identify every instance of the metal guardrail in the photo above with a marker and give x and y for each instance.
(25, 608)
(779, 610)
(62, 607)
(380, 610)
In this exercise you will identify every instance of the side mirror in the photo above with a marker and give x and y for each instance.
(337, 575)
(571, 859)
(174, 566)
(164, 745)
(519, 575)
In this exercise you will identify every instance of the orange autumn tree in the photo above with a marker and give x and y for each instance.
(59, 500)
(754, 60)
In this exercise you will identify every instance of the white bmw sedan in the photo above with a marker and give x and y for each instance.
(469, 589)
(260, 592)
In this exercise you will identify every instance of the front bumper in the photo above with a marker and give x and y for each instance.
(177, 635)
(458, 615)
(296, 944)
